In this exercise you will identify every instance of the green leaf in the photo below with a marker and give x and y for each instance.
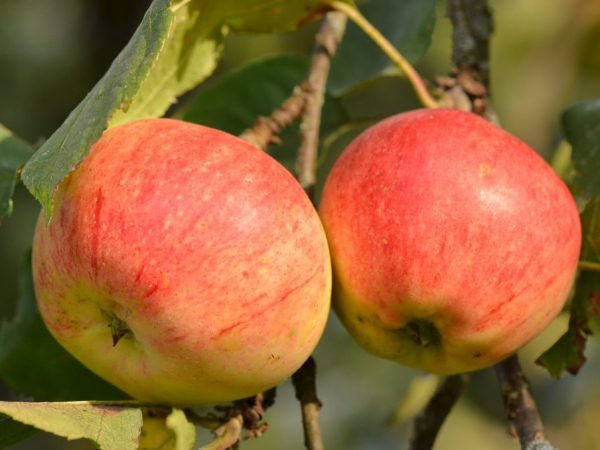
(581, 124)
(14, 153)
(115, 91)
(264, 16)
(407, 24)
(237, 99)
(110, 427)
(12, 431)
(333, 146)
(177, 45)
(590, 225)
(32, 363)
(568, 353)
(182, 429)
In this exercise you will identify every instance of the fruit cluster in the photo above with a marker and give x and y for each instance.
(186, 266)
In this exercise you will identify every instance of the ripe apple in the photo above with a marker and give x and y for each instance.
(183, 265)
(453, 243)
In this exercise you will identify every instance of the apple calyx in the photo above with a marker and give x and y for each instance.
(118, 328)
(423, 333)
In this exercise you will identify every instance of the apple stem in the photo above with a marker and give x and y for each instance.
(589, 266)
(381, 41)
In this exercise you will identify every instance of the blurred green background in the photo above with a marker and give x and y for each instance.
(545, 56)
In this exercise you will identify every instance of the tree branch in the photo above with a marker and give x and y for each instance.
(264, 131)
(471, 29)
(305, 100)
(326, 42)
(428, 424)
(304, 381)
(520, 407)
(589, 266)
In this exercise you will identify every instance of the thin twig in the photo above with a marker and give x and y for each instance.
(380, 40)
(520, 407)
(264, 131)
(589, 266)
(428, 424)
(326, 42)
(304, 381)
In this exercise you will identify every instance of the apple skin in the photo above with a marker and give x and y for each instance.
(204, 247)
(453, 243)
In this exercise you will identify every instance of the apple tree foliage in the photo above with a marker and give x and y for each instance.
(581, 125)
(176, 47)
(14, 153)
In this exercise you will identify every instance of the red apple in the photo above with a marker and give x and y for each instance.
(183, 265)
(453, 243)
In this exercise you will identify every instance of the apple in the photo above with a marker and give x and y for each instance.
(453, 243)
(183, 265)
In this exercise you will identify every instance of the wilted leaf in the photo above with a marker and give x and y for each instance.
(581, 124)
(34, 364)
(176, 46)
(110, 427)
(407, 24)
(155, 435)
(13, 154)
(12, 431)
(173, 432)
(568, 353)
(182, 429)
